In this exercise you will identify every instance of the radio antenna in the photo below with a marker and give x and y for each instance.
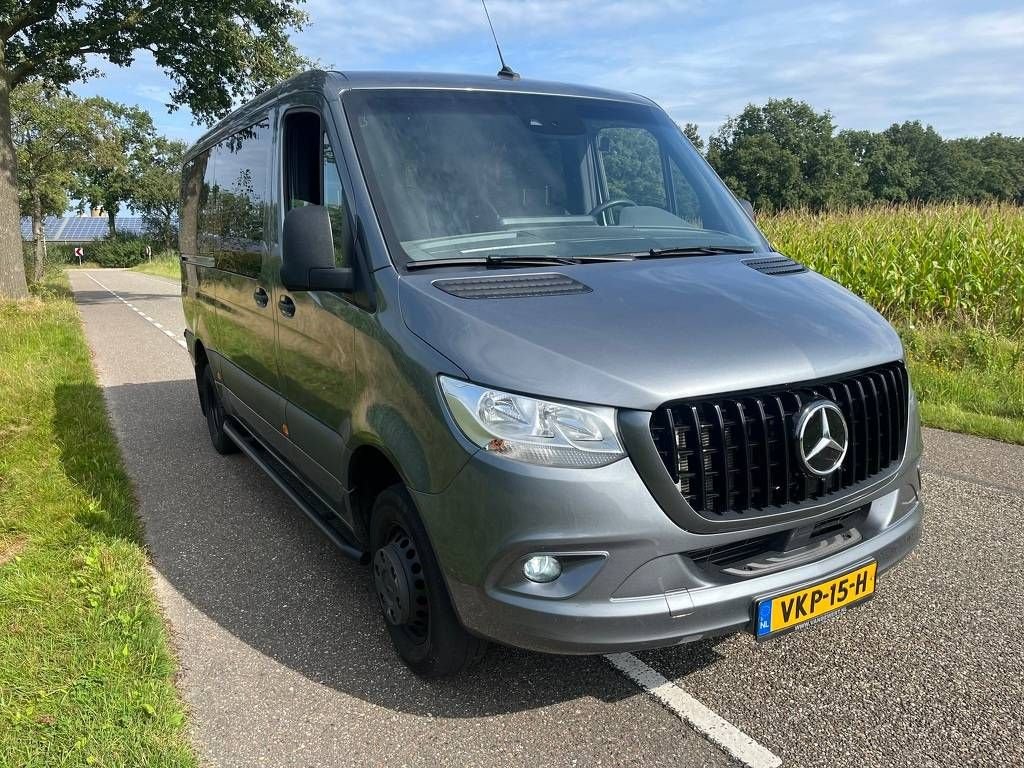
(506, 71)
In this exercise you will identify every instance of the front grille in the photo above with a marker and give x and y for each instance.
(736, 454)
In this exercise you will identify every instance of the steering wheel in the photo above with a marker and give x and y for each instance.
(607, 206)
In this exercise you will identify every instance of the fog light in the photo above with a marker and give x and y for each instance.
(542, 568)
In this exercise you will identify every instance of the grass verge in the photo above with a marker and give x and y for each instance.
(86, 673)
(968, 379)
(162, 266)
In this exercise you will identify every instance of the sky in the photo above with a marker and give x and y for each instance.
(956, 66)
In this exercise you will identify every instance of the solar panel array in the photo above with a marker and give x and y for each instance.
(82, 229)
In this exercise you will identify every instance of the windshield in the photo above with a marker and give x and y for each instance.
(457, 174)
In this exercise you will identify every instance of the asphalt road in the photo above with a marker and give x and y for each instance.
(285, 661)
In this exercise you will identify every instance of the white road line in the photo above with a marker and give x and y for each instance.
(173, 336)
(718, 730)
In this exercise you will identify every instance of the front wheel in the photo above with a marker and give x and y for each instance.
(411, 591)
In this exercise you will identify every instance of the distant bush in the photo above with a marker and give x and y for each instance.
(120, 251)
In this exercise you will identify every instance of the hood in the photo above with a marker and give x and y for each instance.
(650, 331)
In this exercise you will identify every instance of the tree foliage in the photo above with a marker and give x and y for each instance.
(123, 150)
(54, 135)
(157, 190)
(785, 155)
(216, 53)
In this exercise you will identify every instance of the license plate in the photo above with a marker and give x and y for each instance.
(782, 612)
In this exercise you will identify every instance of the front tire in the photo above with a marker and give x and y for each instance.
(411, 591)
(215, 416)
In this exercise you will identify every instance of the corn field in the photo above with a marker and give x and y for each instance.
(953, 263)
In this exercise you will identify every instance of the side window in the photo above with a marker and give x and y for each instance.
(302, 169)
(632, 166)
(193, 194)
(209, 229)
(235, 211)
(312, 177)
(337, 206)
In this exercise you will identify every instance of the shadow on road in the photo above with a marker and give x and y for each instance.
(226, 539)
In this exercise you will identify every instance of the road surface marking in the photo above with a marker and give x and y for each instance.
(173, 336)
(710, 725)
(716, 729)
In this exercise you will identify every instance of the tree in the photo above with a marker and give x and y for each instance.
(216, 53)
(52, 133)
(124, 141)
(886, 168)
(157, 190)
(691, 132)
(784, 154)
(930, 160)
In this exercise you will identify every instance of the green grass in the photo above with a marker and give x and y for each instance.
(163, 265)
(86, 673)
(951, 279)
(968, 379)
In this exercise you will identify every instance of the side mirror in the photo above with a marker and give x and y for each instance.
(307, 250)
(748, 207)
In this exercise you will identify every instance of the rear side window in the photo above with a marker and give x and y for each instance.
(233, 213)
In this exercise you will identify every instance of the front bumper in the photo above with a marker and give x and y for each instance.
(627, 584)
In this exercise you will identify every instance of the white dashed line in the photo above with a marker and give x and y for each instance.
(715, 728)
(170, 334)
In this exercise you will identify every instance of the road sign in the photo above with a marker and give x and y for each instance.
(79, 252)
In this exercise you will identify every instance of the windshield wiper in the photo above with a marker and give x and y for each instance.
(697, 250)
(498, 260)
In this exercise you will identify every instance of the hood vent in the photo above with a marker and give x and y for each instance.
(511, 286)
(776, 265)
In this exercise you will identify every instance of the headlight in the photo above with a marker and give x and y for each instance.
(531, 430)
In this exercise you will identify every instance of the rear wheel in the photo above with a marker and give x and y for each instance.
(411, 591)
(214, 410)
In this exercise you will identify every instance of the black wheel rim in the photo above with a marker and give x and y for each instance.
(400, 585)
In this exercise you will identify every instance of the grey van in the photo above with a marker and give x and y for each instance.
(515, 346)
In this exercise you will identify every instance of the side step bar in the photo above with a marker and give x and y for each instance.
(279, 473)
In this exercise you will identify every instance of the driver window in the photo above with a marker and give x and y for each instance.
(337, 206)
(632, 166)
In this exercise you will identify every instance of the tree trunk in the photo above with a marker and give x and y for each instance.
(112, 222)
(167, 232)
(39, 235)
(12, 256)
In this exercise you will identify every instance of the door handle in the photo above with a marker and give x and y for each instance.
(261, 297)
(287, 306)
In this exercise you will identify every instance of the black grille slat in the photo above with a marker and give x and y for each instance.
(723, 462)
(853, 452)
(700, 475)
(737, 454)
(746, 472)
(766, 458)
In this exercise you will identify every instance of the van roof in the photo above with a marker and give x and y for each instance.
(338, 82)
